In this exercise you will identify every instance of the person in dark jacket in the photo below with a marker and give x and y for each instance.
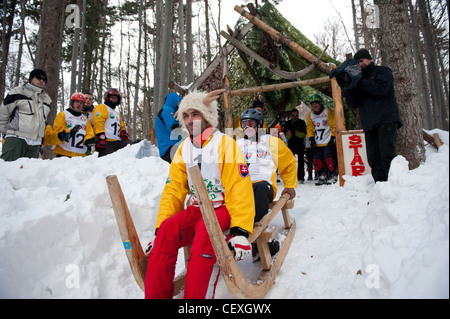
(167, 128)
(374, 96)
(295, 133)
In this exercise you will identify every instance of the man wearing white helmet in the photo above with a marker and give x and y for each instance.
(229, 187)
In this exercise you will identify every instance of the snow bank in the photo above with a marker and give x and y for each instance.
(59, 238)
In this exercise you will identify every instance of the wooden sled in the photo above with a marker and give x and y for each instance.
(238, 285)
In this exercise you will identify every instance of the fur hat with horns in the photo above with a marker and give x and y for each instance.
(203, 102)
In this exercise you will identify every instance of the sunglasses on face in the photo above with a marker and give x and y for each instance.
(41, 78)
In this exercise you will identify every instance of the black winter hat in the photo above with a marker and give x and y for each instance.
(363, 54)
(258, 103)
(36, 73)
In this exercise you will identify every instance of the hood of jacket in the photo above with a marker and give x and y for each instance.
(172, 101)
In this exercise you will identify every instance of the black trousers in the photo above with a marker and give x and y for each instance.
(300, 163)
(112, 147)
(380, 144)
(263, 193)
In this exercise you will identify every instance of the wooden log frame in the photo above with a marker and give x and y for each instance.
(235, 281)
(270, 66)
(339, 120)
(283, 39)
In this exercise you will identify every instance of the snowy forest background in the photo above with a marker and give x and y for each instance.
(139, 46)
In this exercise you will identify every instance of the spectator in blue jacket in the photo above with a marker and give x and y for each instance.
(167, 128)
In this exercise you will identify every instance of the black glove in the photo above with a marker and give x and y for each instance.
(101, 144)
(343, 79)
(74, 131)
(64, 136)
(312, 140)
(90, 142)
(123, 135)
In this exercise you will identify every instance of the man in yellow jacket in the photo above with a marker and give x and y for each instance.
(108, 125)
(264, 155)
(229, 187)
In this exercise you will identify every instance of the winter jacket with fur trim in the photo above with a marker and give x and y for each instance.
(226, 178)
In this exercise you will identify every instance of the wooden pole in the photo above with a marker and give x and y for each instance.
(226, 94)
(227, 103)
(340, 127)
(130, 239)
(282, 86)
(280, 37)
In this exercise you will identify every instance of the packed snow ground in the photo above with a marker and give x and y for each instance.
(59, 237)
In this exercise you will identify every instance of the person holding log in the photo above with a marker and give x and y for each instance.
(374, 96)
(229, 187)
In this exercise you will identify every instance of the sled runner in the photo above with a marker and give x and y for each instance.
(238, 285)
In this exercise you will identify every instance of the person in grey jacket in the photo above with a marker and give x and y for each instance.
(23, 115)
(375, 98)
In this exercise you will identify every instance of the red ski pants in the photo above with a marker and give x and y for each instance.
(184, 229)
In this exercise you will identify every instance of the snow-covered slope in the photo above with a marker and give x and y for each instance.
(59, 237)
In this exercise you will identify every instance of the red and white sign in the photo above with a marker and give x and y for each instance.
(355, 155)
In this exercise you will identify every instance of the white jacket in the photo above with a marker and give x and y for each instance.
(24, 112)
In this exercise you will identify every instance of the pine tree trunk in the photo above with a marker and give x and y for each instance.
(189, 41)
(208, 42)
(181, 23)
(6, 32)
(433, 68)
(422, 83)
(48, 55)
(81, 53)
(355, 26)
(138, 68)
(397, 54)
(22, 36)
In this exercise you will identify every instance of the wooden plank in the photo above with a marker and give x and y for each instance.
(238, 285)
(286, 218)
(264, 254)
(340, 127)
(262, 224)
(130, 239)
(282, 86)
